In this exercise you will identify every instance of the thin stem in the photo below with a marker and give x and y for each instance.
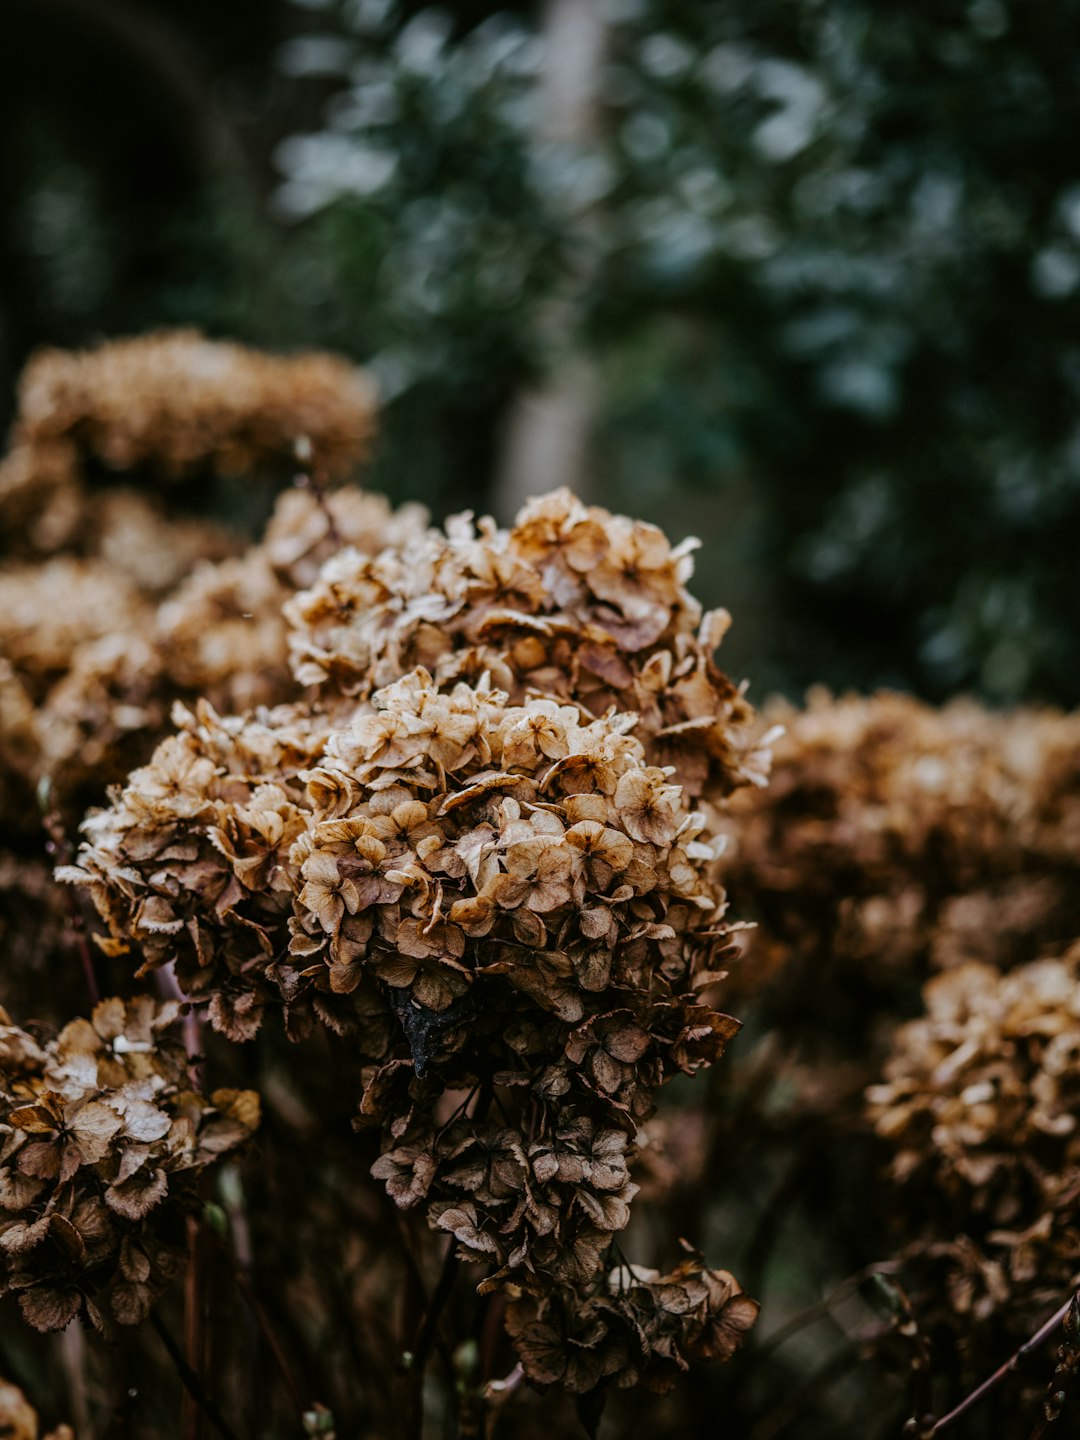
(191, 1413)
(419, 1289)
(190, 1381)
(247, 1289)
(59, 847)
(458, 1111)
(491, 1333)
(414, 1425)
(907, 1327)
(496, 1393)
(308, 480)
(428, 1335)
(439, 1296)
(1013, 1363)
(504, 1388)
(794, 1406)
(816, 1312)
(192, 1025)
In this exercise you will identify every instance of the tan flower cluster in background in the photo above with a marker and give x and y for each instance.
(178, 402)
(101, 1138)
(19, 1419)
(981, 1109)
(571, 602)
(111, 605)
(895, 838)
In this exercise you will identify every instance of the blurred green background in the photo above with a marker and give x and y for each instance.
(802, 278)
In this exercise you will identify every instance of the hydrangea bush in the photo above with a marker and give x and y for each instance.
(508, 909)
(407, 871)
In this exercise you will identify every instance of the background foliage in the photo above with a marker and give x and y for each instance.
(820, 265)
(824, 260)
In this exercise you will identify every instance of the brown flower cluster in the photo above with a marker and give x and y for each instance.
(509, 908)
(19, 1419)
(895, 839)
(166, 861)
(690, 1314)
(178, 403)
(100, 625)
(221, 635)
(102, 1138)
(50, 612)
(90, 661)
(571, 602)
(49, 509)
(981, 1107)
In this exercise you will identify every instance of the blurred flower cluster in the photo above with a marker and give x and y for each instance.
(177, 403)
(152, 600)
(19, 1419)
(907, 860)
(980, 1108)
(896, 838)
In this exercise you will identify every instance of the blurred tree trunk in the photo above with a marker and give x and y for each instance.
(546, 439)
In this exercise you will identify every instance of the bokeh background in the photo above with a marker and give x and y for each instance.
(800, 277)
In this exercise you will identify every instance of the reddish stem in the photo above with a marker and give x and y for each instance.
(1013, 1363)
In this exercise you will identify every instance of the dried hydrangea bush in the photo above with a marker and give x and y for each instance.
(457, 809)
(102, 1137)
(497, 896)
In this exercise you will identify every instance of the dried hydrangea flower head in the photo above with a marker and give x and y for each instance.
(502, 901)
(895, 838)
(42, 500)
(222, 636)
(981, 1107)
(571, 602)
(219, 785)
(640, 1327)
(101, 1139)
(47, 612)
(86, 686)
(179, 403)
